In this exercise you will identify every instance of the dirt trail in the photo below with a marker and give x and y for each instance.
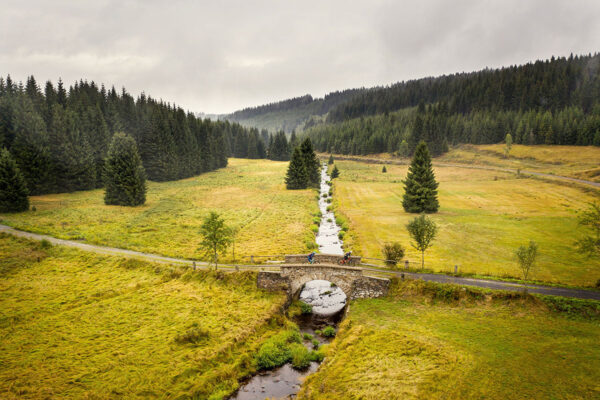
(483, 283)
(472, 166)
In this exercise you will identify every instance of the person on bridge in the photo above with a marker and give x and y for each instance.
(311, 257)
(346, 257)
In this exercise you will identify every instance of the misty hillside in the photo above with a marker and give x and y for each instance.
(292, 114)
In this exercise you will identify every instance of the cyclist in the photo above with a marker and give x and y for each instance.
(311, 257)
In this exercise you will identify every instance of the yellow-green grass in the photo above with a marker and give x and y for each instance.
(484, 217)
(581, 162)
(77, 325)
(408, 347)
(249, 194)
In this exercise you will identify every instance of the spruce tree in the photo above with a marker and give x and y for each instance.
(13, 190)
(124, 175)
(330, 161)
(311, 163)
(335, 173)
(420, 186)
(384, 169)
(296, 177)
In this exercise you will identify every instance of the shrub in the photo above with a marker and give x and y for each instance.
(328, 200)
(598, 284)
(315, 344)
(307, 336)
(300, 356)
(45, 244)
(392, 252)
(341, 235)
(315, 229)
(306, 308)
(33, 208)
(317, 355)
(329, 331)
(311, 245)
(276, 350)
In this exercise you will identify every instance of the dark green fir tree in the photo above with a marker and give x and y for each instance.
(13, 190)
(330, 161)
(335, 172)
(384, 169)
(124, 175)
(311, 162)
(296, 177)
(420, 186)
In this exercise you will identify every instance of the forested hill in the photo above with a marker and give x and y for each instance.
(556, 101)
(292, 114)
(549, 85)
(59, 137)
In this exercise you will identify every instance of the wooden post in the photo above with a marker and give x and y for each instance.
(405, 264)
(194, 265)
(456, 269)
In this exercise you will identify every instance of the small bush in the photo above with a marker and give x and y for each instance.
(307, 336)
(300, 356)
(315, 229)
(598, 284)
(328, 331)
(317, 356)
(306, 308)
(311, 245)
(328, 200)
(318, 332)
(329, 220)
(277, 350)
(324, 194)
(33, 208)
(193, 335)
(341, 235)
(316, 220)
(315, 344)
(332, 284)
(393, 253)
(45, 244)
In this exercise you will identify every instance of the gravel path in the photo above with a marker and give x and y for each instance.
(483, 283)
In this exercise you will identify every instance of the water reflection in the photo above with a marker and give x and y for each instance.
(324, 298)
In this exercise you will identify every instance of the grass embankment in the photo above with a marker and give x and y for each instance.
(484, 217)
(78, 325)
(443, 342)
(250, 195)
(580, 162)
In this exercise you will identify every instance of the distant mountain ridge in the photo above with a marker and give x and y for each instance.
(291, 114)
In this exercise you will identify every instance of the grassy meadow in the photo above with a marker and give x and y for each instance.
(411, 346)
(484, 217)
(77, 325)
(581, 162)
(249, 194)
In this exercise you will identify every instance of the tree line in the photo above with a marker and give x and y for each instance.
(399, 132)
(59, 137)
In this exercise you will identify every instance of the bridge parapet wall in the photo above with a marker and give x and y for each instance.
(321, 259)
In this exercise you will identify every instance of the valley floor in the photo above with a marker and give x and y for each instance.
(484, 217)
(79, 325)
(421, 343)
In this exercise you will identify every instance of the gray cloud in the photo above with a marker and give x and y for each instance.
(222, 56)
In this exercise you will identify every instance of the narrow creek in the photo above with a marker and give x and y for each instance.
(328, 303)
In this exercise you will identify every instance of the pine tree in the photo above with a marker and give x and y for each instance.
(13, 190)
(296, 177)
(384, 169)
(311, 163)
(335, 173)
(330, 161)
(420, 186)
(124, 175)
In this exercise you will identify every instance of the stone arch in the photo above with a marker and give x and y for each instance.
(343, 277)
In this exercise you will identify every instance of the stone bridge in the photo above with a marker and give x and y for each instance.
(349, 279)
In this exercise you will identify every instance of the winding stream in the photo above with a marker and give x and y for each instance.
(327, 301)
(327, 237)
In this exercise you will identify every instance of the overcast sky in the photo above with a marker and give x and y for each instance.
(219, 56)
